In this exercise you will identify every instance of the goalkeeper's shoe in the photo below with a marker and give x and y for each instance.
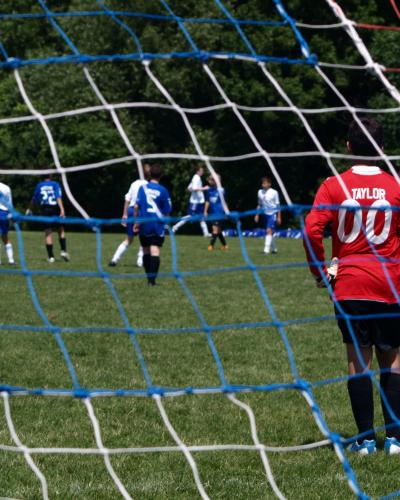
(65, 256)
(367, 447)
(392, 446)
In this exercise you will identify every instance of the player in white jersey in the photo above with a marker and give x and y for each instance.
(196, 202)
(128, 212)
(268, 201)
(5, 206)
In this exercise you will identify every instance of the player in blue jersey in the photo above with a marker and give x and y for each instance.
(5, 207)
(48, 197)
(153, 201)
(214, 206)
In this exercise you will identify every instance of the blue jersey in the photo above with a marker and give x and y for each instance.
(213, 196)
(46, 193)
(153, 201)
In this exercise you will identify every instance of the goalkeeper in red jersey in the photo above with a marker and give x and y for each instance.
(365, 240)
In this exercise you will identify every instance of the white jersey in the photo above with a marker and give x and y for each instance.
(5, 197)
(131, 195)
(196, 197)
(268, 199)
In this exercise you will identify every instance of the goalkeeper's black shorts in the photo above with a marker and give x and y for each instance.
(379, 330)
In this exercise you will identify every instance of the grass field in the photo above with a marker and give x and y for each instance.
(107, 360)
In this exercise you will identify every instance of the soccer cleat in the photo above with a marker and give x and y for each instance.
(367, 447)
(392, 446)
(210, 247)
(65, 256)
(51, 260)
(274, 251)
(12, 263)
(224, 247)
(266, 251)
(112, 263)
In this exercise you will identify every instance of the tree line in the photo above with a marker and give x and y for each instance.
(92, 137)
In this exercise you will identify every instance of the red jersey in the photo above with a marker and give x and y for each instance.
(366, 241)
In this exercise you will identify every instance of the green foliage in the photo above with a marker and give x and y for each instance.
(90, 138)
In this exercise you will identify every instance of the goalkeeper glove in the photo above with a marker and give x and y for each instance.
(331, 274)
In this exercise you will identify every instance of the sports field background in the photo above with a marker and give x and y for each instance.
(107, 360)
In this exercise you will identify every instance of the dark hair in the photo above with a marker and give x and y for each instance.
(359, 142)
(155, 171)
(266, 178)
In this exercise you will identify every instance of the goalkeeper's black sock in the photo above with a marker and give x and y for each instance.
(146, 263)
(222, 239)
(362, 403)
(50, 253)
(63, 244)
(390, 385)
(154, 267)
(213, 238)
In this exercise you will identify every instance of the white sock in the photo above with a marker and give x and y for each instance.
(123, 247)
(139, 261)
(180, 223)
(10, 253)
(273, 243)
(204, 227)
(268, 241)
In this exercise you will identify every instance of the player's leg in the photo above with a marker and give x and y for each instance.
(388, 356)
(139, 260)
(222, 237)
(390, 386)
(180, 223)
(214, 236)
(121, 249)
(7, 244)
(268, 240)
(48, 239)
(357, 332)
(63, 243)
(154, 263)
(361, 392)
(274, 248)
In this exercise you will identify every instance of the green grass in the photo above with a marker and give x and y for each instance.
(108, 360)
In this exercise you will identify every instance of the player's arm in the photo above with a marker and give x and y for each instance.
(32, 203)
(61, 206)
(125, 213)
(278, 214)
(136, 214)
(257, 216)
(315, 223)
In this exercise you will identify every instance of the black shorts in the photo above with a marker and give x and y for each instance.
(382, 332)
(151, 240)
(50, 211)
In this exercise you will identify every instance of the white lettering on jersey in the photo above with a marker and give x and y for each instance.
(369, 229)
(48, 195)
(151, 195)
(369, 193)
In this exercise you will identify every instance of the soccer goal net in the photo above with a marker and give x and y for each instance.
(227, 379)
